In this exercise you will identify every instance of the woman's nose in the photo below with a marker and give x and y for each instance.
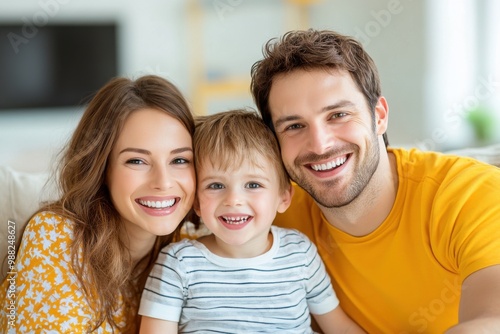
(160, 178)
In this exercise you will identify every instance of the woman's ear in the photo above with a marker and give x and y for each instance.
(286, 199)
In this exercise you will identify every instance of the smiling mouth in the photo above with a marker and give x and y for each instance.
(157, 204)
(329, 165)
(235, 220)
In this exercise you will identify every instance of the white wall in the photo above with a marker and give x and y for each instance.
(151, 40)
(401, 35)
(393, 33)
(462, 71)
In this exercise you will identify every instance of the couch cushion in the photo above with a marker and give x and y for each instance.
(489, 154)
(21, 195)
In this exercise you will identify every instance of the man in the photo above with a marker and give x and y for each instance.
(411, 239)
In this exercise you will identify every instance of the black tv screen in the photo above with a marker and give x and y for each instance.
(55, 65)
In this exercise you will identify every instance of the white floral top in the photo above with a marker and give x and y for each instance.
(42, 293)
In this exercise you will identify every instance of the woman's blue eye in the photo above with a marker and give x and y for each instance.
(180, 161)
(135, 161)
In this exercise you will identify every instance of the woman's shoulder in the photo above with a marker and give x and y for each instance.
(50, 224)
(48, 294)
(47, 233)
(49, 217)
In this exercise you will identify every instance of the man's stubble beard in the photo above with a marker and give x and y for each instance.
(324, 192)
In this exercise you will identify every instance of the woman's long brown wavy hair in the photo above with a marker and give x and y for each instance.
(100, 259)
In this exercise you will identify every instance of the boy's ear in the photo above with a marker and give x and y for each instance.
(286, 199)
(196, 206)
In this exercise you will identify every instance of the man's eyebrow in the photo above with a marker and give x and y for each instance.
(285, 119)
(340, 104)
(289, 118)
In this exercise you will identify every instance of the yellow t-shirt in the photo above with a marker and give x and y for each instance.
(406, 276)
(42, 291)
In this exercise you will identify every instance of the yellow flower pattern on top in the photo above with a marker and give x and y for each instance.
(48, 297)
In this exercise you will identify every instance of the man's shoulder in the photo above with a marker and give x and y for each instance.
(417, 164)
(415, 155)
(299, 192)
(440, 179)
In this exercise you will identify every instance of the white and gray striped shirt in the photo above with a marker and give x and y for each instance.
(270, 293)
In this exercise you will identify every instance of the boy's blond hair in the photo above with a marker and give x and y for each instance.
(229, 139)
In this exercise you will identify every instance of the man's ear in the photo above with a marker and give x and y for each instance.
(286, 199)
(381, 115)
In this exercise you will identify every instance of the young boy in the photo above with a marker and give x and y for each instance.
(247, 276)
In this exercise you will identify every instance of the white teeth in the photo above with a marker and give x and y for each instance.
(158, 204)
(235, 220)
(329, 165)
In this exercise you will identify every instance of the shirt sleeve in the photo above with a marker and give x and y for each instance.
(467, 225)
(164, 292)
(321, 297)
(46, 293)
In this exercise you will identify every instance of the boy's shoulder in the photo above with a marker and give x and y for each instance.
(291, 236)
(286, 231)
(180, 248)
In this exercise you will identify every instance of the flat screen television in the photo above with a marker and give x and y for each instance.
(57, 65)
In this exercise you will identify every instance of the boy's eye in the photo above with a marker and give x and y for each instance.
(253, 185)
(215, 186)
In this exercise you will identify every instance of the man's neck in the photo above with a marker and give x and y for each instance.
(369, 210)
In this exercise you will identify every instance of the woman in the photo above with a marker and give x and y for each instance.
(127, 182)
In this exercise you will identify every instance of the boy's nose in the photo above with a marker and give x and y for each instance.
(233, 198)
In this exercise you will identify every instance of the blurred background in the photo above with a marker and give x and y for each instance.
(439, 61)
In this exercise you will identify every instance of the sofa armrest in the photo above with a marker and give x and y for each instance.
(489, 154)
(21, 195)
